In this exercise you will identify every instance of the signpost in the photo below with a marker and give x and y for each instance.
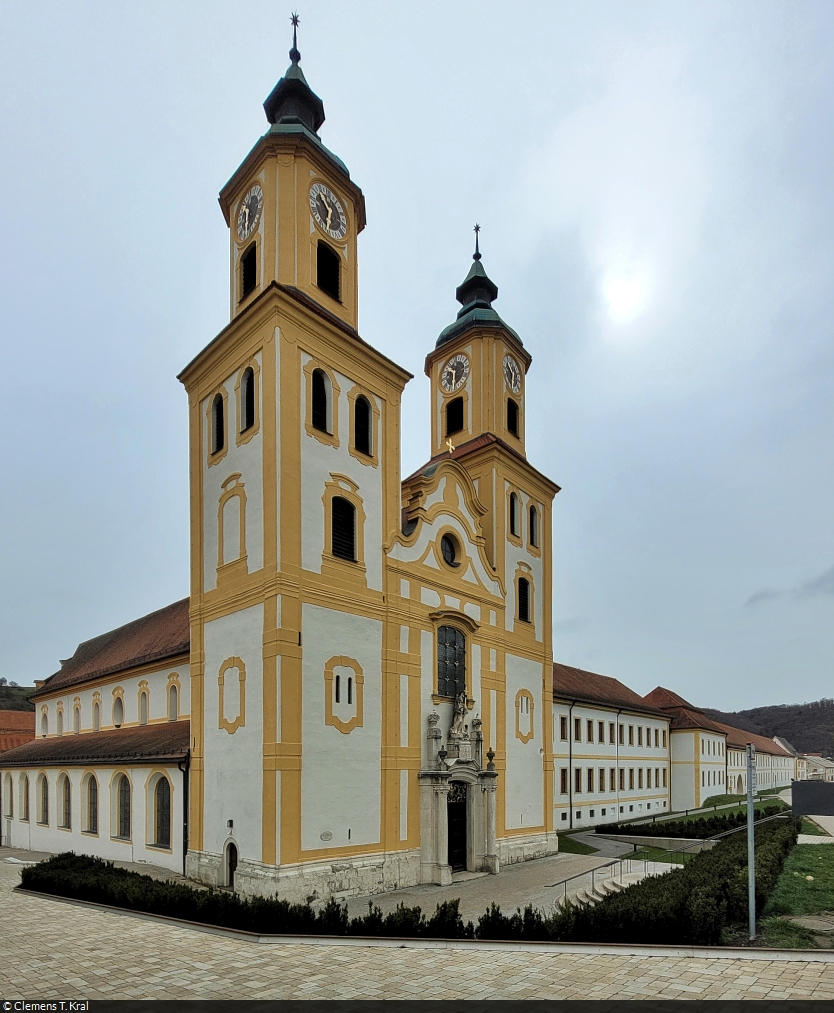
(751, 847)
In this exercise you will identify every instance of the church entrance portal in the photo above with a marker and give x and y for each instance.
(456, 809)
(231, 865)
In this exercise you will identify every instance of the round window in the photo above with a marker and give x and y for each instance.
(449, 548)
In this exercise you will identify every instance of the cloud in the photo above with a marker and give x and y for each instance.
(768, 594)
(823, 585)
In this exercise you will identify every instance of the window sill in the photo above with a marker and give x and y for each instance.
(122, 840)
(160, 847)
(90, 833)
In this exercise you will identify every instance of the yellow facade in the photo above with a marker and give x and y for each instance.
(262, 545)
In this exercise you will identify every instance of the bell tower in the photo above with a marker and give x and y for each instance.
(477, 370)
(292, 209)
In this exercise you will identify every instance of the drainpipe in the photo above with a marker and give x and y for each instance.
(185, 779)
(570, 764)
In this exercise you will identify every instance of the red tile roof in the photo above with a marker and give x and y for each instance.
(737, 738)
(167, 740)
(17, 721)
(155, 637)
(588, 687)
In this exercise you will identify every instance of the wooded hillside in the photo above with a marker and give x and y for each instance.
(16, 698)
(809, 727)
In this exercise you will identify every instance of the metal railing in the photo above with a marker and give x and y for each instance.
(659, 867)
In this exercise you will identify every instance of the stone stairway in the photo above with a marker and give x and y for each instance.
(593, 893)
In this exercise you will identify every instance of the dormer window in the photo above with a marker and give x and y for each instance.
(327, 270)
(248, 271)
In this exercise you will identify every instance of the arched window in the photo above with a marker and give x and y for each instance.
(44, 724)
(247, 400)
(362, 425)
(218, 424)
(513, 514)
(162, 813)
(64, 802)
(524, 599)
(327, 271)
(451, 661)
(76, 719)
(343, 529)
(59, 722)
(320, 390)
(92, 805)
(123, 813)
(8, 798)
(96, 717)
(454, 416)
(248, 271)
(534, 526)
(23, 802)
(118, 712)
(43, 800)
(512, 416)
(143, 708)
(173, 703)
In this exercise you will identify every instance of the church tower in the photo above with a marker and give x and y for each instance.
(295, 488)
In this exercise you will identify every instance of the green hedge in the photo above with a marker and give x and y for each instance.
(702, 827)
(688, 905)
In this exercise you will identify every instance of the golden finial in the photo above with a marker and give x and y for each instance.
(450, 445)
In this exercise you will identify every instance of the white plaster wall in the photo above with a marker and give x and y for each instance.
(247, 459)
(340, 772)
(525, 771)
(52, 838)
(157, 700)
(318, 462)
(234, 762)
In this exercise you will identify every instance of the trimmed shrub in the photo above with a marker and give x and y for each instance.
(701, 828)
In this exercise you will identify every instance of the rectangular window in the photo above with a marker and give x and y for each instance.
(563, 728)
(664, 738)
(656, 738)
(611, 732)
(622, 735)
(649, 738)
(649, 777)
(451, 661)
(563, 780)
(577, 780)
(631, 735)
(601, 731)
(602, 778)
(631, 778)
(702, 747)
(590, 779)
(590, 725)
(639, 735)
(577, 730)
(703, 779)
(639, 777)
(657, 777)
(612, 779)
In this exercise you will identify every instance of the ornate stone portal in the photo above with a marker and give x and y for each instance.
(458, 769)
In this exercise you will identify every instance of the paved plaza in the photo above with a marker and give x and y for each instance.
(58, 950)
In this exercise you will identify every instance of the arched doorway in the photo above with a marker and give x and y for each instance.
(740, 786)
(456, 811)
(231, 865)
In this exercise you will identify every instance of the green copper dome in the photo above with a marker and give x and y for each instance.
(476, 296)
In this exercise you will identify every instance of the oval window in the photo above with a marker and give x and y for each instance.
(449, 549)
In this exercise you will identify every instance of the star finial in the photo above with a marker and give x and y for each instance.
(295, 56)
(477, 254)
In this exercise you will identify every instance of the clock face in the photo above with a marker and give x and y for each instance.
(249, 212)
(512, 374)
(454, 373)
(328, 211)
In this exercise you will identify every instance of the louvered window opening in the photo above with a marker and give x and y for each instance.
(248, 400)
(92, 806)
(344, 528)
(524, 602)
(319, 401)
(454, 416)
(124, 808)
(362, 425)
(163, 813)
(451, 661)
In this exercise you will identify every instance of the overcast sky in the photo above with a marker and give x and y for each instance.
(654, 186)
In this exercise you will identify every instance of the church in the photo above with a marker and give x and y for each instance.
(357, 695)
